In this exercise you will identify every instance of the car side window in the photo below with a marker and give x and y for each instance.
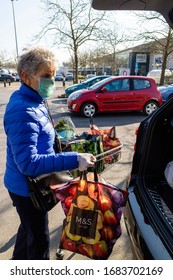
(125, 85)
(97, 80)
(93, 82)
(118, 85)
(147, 84)
(112, 86)
(141, 84)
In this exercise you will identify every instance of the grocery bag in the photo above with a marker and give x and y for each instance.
(65, 131)
(110, 142)
(87, 143)
(93, 210)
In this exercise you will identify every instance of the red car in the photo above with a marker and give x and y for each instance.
(120, 93)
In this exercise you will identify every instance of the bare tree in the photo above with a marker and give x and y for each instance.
(99, 60)
(158, 32)
(2, 59)
(112, 38)
(72, 23)
(6, 61)
(83, 60)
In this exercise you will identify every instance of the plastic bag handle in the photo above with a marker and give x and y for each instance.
(83, 174)
(83, 182)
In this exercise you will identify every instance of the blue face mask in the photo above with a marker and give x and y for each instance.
(46, 87)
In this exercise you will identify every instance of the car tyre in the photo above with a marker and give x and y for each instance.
(8, 81)
(150, 107)
(88, 109)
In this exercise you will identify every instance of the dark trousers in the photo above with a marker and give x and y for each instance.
(32, 242)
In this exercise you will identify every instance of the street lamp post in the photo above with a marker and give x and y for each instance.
(15, 31)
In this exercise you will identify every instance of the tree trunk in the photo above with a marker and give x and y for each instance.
(76, 67)
(162, 78)
(165, 56)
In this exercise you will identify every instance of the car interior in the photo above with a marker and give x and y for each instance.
(159, 153)
(164, 7)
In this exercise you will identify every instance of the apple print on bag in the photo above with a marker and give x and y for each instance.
(93, 212)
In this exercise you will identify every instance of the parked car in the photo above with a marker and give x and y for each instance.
(88, 76)
(85, 84)
(81, 76)
(69, 77)
(17, 78)
(166, 92)
(7, 78)
(59, 77)
(121, 93)
(149, 211)
(156, 74)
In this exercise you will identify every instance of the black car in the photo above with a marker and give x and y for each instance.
(149, 212)
(8, 78)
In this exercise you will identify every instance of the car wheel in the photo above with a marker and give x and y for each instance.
(8, 81)
(150, 107)
(88, 109)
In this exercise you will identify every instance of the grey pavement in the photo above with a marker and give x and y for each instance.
(117, 174)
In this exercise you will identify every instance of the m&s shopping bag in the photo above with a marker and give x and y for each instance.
(93, 211)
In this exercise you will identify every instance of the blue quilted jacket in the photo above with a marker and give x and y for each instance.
(30, 140)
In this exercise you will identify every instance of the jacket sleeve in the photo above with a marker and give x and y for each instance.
(33, 154)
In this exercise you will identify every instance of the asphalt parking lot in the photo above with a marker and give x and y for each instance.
(126, 124)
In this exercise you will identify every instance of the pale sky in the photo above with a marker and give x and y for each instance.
(29, 20)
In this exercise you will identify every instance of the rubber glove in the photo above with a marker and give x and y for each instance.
(85, 160)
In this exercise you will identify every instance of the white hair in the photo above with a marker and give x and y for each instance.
(33, 58)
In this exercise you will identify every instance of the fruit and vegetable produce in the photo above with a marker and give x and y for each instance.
(93, 212)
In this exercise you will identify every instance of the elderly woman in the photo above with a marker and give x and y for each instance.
(30, 149)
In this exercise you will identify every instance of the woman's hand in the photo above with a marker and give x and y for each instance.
(85, 160)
